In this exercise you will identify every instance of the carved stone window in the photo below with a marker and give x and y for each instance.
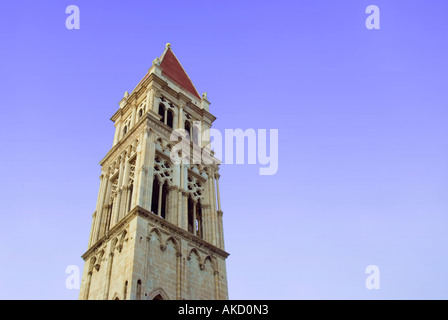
(162, 112)
(139, 290)
(169, 118)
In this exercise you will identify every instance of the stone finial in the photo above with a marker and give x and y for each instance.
(168, 45)
(156, 62)
(126, 94)
(204, 95)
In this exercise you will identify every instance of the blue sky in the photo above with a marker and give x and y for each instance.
(361, 116)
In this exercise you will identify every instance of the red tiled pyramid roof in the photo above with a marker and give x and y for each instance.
(172, 69)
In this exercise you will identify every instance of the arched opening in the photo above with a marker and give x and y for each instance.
(164, 198)
(191, 219)
(169, 118)
(139, 290)
(187, 128)
(198, 221)
(125, 290)
(155, 195)
(162, 112)
(125, 130)
(140, 113)
(117, 298)
(158, 297)
(159, 197)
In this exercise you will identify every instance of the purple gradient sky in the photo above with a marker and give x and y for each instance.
(362, 119)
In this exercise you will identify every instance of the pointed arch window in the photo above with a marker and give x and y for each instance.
(187, 127)
(162, 112)
(167, 115)
(139, 290)
(198, 222)
(169, 119)
(195, 217)
(191, 218)
(125, 290)
(155, 195)
(159, 198)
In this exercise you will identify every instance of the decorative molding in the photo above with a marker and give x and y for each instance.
(173, 188)
(185, 193)
(116, 229)
(173, 229)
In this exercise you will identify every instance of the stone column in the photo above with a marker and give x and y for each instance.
(194, 217)
(214, 217)
(99, 205)
(217, 297)
(159, 207)
(124, 202)
(124, 183)
(134, 114)
(179, 208)
(180, 118)
(92, 229)
(179, 275)
(171, 209)
(185, 210)
(117, 202)
(201, 224)
(87, 289)
(153, 95)
(150, 165)
(108, 274)
(103, 210)
(138, 173)
(211, 222)
(217, 176)
(143, 193)
(220, 230)
(117, 135)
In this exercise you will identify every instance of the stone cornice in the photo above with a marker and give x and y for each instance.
(139, 211)
(117, 113)
(199, 242)
(135, 130)
(116, 229)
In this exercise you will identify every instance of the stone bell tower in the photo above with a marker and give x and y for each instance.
(157, 230)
